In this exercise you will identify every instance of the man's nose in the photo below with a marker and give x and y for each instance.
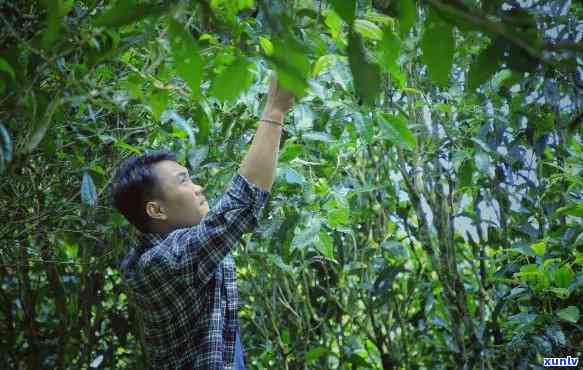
(198, 189)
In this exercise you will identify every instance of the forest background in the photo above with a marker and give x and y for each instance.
(428, 207)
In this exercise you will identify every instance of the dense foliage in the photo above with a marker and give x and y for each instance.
(428, 207)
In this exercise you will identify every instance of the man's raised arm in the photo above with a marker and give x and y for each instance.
(260, 162)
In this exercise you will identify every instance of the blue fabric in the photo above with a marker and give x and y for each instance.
(239, 360)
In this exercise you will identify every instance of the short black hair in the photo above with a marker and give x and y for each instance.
(135, 184)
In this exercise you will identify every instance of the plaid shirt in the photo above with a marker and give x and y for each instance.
(184, 286)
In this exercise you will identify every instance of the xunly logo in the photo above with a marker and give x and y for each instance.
(560, 361)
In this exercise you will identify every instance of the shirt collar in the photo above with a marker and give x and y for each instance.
(151, 239)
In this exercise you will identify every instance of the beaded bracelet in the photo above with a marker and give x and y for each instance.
(272, 122)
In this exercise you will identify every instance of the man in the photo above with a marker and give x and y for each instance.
(182, 276)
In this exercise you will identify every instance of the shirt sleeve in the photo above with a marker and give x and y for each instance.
(196, 252)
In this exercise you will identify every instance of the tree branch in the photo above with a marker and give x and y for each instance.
(495, 28)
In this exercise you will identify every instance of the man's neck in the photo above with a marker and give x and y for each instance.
(160, 229)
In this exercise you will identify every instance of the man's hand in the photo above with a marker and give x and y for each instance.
(279, 101)
(260, 163)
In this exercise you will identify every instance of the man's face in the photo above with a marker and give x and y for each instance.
(182, 203)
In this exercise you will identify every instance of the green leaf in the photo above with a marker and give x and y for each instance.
(88, 192)
(334, 23)
(96, 361)
(523, 249)
(407, 15)
(6, 67)
(438, 47)
(278, 262)
(54, 21)
(368, 30)
(390, 49)
(531, 268)
(266, 45)
(232, 81)
(285, 232)
(318, 136)
(395, 127)
(43, 126)
(574, 209)
(530, 273)
(110, 44)
(466, 173)
(570, 314)
(133, 85)
(378, 18)
(98, 169)
(186, 53)
(485, 66)
(245, 4)
(123, 145)
(564, 276)
(158, 102)
(181, 124)
(337, 212)
(307, 235)
(522, 319)
(291, 64)
(204, 119)
(71, 250)
(315, 353)
(303, 117)
(125, 12)
(197, 156)
(325, 245)
(345, 9)
(322, 63)
(290, 151)
(550, 261)
(517, 58)
(366, 75)
(539, 248)
(292, 176)
(562, 293)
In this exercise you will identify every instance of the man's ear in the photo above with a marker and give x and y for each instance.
(156, 211)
